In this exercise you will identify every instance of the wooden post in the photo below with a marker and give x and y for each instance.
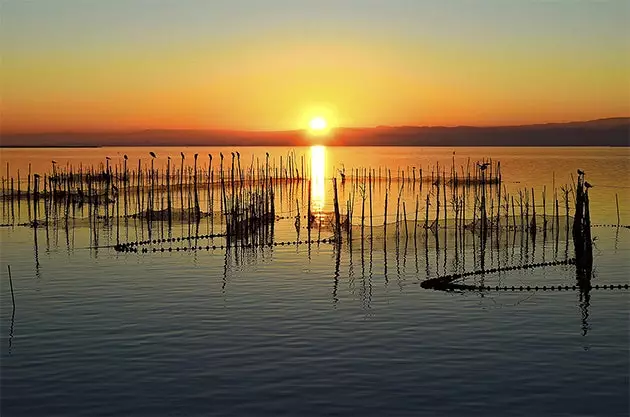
(370, 184)
(405, 219)
(385, 218)
(197, 208)
(337, 215)
(544, 199)
(513, 215)
(617, 203)
(426, 213)
(11, 284)
(533, 223)
(415, 223)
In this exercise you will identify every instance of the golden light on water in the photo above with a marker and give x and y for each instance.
(318, 177)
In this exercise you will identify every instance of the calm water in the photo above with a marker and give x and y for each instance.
(312, 330)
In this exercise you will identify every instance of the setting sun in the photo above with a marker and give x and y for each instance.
(318, 124)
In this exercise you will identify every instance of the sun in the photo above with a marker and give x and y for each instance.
(318, 124)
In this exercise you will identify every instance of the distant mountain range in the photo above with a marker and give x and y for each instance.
(601, 132)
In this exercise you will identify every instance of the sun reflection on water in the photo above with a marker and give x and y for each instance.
(318, 177)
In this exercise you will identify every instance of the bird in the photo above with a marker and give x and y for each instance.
(152, 154)
(182, 153)
(580, 172)
(587, 185)
(54, 162)
(483, 166)
(125, 156)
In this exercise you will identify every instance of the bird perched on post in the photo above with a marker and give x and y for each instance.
(483, 166)
(587, 184)
(125, 156)
(152, 154)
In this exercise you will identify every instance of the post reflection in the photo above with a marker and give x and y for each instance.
(318, 178)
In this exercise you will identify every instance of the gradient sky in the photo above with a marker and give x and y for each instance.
(238, 64)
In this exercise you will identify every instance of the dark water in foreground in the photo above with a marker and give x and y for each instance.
(293, 330)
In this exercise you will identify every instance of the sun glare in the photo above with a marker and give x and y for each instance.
(318, 178)
(318, 124)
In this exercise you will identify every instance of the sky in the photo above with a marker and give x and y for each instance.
(85, 65)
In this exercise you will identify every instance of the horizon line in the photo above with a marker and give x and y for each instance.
(237, 130)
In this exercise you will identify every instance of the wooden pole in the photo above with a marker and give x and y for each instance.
(405, 218)
(337, 215)
(415, 223)
(371, 211)
(426, 213)
(617, 203)
(385, 217)
(11, 284)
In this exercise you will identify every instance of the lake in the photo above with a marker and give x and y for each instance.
(116, 314)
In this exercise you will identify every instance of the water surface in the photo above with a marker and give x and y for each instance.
(316, 329)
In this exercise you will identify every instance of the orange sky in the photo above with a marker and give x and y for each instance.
(85, 69)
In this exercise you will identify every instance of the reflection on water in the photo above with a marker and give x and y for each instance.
(318, 177)
(279, 321)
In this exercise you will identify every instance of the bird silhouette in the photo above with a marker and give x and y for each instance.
(587, 185)
(152, 154)
(483, 166)
(108, 158)
(182, 153)
(125, 156)
(54, 162)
